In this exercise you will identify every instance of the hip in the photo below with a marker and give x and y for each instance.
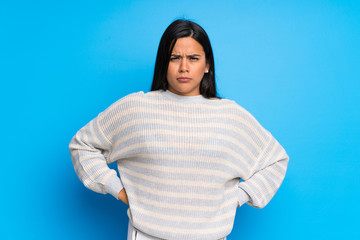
(134, 234)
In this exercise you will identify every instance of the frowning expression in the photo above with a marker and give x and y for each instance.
(187, 67)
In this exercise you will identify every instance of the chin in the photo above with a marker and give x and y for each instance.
(184, 90)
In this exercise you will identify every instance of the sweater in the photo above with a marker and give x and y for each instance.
(186, 162)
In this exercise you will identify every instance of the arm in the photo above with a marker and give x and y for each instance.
(89, 150)
(268, 174)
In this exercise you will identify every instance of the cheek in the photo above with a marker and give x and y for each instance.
(170, 71)
(201, 70)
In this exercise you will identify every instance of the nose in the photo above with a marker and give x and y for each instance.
(184, 67)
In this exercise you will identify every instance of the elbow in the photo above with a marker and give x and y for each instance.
(72, 145)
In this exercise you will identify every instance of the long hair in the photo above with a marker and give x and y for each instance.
(179, 29)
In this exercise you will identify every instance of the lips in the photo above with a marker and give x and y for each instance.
(183, 79)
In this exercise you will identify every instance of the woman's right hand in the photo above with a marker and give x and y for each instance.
(123, 196)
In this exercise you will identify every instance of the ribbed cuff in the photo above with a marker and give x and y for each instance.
(113, 186)
(242, 196)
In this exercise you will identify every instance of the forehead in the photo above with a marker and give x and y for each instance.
(187, 45)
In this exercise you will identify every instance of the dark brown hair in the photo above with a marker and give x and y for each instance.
(179, 29)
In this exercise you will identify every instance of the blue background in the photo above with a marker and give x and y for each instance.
(293, 64)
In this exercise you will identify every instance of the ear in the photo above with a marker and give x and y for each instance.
(207, 68)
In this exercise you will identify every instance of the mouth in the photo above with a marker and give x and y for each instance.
(183, 79)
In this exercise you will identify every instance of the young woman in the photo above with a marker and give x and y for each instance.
(186, 158)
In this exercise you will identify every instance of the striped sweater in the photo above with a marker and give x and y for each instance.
(185, 162)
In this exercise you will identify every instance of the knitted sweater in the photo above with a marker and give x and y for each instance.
(185, 162)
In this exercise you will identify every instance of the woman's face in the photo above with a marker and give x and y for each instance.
(187, 67)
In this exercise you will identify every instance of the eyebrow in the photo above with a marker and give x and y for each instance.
(191, 55)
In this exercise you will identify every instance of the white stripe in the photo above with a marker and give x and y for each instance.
(207, 159)
(96, 174)
(266, 184)
(93, 134)
(172, 206)
(138, 99)
(92, 164)
(178, 170)
(161, 193)
(172, 182)
(276, 173)
(80, 160)
(173, 133)
(270, 154)
(182, 230)
(205, 126)
(89, 184)
(160, 216)
(180, 146)
(194, 116)
(158, 102)
(106, 178)
(282, 166)
(252, 185)
(102, 133)
(91, 157)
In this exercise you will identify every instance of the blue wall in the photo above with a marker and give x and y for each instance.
(293, 64)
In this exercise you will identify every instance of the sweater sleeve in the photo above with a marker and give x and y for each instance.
(268, 174)
(90, 150)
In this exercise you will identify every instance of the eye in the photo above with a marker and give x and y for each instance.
(172, 59)
(194, 58)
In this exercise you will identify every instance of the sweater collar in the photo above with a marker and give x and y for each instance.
(180, 98)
